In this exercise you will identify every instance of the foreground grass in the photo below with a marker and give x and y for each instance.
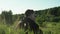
(50, 28)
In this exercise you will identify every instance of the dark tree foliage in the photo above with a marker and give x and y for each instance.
(50, 15)
(7, 16)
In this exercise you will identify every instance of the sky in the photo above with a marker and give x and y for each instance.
(20, 6)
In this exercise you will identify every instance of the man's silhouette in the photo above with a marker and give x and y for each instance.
(29, 23)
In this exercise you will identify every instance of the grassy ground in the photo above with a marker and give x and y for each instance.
(50, 28)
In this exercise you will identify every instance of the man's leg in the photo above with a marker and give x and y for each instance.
(26, 32)
(35, 32)
(40, 31)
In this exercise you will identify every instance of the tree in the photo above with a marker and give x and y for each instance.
(7, 17)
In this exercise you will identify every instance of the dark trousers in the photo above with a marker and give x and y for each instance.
(38, 32)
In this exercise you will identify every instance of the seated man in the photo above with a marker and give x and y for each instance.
(29, 23)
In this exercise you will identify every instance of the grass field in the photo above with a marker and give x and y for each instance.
(49, 28)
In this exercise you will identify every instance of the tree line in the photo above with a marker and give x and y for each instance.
(46, 15)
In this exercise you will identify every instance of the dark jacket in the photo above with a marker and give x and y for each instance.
(31, 24)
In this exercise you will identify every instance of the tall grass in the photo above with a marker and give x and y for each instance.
(51, 28)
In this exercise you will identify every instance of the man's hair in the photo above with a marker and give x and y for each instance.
(29, 12)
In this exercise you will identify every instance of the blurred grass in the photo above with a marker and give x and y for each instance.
(50, 28)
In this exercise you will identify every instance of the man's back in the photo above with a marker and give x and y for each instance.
(32, 26)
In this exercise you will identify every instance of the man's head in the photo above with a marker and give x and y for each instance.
(30, 14)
